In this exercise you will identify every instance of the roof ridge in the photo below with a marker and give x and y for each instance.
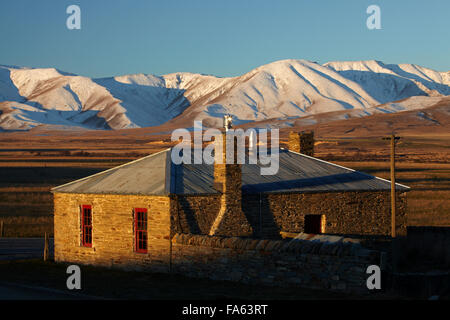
(108, 170)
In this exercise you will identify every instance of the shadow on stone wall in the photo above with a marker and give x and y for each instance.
(260, 216)
(190, 219)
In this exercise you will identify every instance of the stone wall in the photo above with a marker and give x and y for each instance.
(230, 220)
(337, 266)
(113, 235)
(430, 244)
(351, 213)
(302, 142)
(365, 213)
(195, 214)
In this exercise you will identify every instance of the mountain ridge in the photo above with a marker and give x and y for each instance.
(284, 89)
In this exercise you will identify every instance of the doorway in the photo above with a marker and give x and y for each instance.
(314, 223)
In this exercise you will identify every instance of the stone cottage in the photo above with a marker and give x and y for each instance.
(128, 215)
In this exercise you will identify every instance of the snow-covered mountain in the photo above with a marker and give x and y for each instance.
(287, 89)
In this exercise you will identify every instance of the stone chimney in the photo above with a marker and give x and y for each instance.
(231, 220)
(302, 142)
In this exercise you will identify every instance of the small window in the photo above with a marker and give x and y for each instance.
(140, 230)
(314, 223)
(86, 226)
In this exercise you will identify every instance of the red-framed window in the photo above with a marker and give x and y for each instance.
(86, 225)
(140, 229)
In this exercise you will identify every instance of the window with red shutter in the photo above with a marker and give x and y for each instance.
(86, 226)
(140, 229)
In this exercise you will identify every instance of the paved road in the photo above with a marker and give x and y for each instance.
(23, 248)
(11, 291)
(30, 248)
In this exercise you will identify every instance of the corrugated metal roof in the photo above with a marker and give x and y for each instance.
(145, 176)
(157, 175)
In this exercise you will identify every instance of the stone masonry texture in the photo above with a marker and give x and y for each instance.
(346, 213)
(261, 257)
(302, 142)
(319, 265)
(230, 219)
(113, 234)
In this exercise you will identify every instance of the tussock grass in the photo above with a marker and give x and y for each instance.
(23, 226)
(429, 198)
(429, 208)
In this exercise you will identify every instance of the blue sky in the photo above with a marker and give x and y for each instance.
(224, 38)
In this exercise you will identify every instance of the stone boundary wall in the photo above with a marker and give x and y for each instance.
(429, 244)
(339, 266)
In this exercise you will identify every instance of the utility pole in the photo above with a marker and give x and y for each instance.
(393, 139)
(394, 242)
(45, 246)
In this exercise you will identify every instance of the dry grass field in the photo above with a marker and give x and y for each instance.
(429, 198)
(33, 162)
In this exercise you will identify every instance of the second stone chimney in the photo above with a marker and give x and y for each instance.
(230, 220)
(302, 142)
